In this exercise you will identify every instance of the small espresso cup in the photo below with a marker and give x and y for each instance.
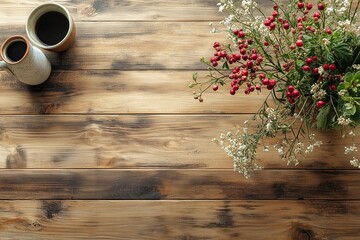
(26, 62)
(51, 27)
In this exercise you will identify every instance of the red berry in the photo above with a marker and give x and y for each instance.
(237, 56)
(214, 63)
(215, 87)
(265, 81)
(253, 56)
(249, 64)
(275, 14)
(244, 72)
(315, 58)
(272, 82)
(272, 26)
(249, 41)
(289, 94)
(328, 31)
(300, 5)
(317, 15)
(266, 43)
(309, 6)
(236, 31)
(269, 87)
(306, 68)
(267, 22)
(286, 25)
(276, 7)
(332, 87)
(216, 44)
(309, 60)
(232, 91)
(295, 94)
(236, 87)
(326, 67)
(258, 87)
(223, 54)
(315, 71)
(332, 67)
(262, 75)
(321, 6)
(241, 34)
(320, 104)
(271, 18)
(291, 100)
(243, 51)
(252, 88)
(291, 88)
(299, 43)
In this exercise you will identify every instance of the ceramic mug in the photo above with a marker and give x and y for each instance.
(51, 27)
(26, 62)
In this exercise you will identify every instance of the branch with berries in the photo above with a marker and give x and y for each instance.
(306, 57)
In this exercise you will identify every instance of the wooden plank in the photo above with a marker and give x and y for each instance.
(115, 10)
(180, 220)
(133, 45)
(139, 141)
(157, 184)
(119, 92)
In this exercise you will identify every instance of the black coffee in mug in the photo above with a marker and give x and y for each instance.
(16, 50)
(52, 27)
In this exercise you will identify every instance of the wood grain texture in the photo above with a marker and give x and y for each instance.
(139, 141)
(113, 146)
(115, 10)
(118, 92)
(155, 184)
(213, 220)
(132, 45)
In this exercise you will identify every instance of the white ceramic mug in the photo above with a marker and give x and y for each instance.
(26, 62)
(51, 27)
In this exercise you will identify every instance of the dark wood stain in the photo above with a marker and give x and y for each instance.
(224, 217)
(135, 65)
(17, 159)
(135, 186)
(280, 190)
(51, 208)
(331, 186)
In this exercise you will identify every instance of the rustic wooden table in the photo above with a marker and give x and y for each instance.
(113, 146)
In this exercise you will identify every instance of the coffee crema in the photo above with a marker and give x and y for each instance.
(52, 27)
(16, 51)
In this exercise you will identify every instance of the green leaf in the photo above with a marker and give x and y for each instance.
(191, 85)
(349, 109)
(343, 55)
(225, 66)
(194, 76)
(323, 118)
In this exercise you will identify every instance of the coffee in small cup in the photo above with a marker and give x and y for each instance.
(51, 27)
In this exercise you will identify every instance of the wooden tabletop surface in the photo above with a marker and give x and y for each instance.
(113, 146)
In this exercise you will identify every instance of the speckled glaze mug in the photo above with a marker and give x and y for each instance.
(51, 27)
(26, 62)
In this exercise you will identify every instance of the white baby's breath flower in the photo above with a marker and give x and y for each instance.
(355, 162)
(343, 121)
(356, 66)
(351, 149)
(342, 93)
(325, 41)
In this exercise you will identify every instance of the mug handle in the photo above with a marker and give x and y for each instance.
(3, 65)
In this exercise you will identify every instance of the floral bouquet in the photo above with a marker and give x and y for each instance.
(306, 56)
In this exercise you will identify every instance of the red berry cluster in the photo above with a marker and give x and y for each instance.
(292, 94)
(247, 58)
